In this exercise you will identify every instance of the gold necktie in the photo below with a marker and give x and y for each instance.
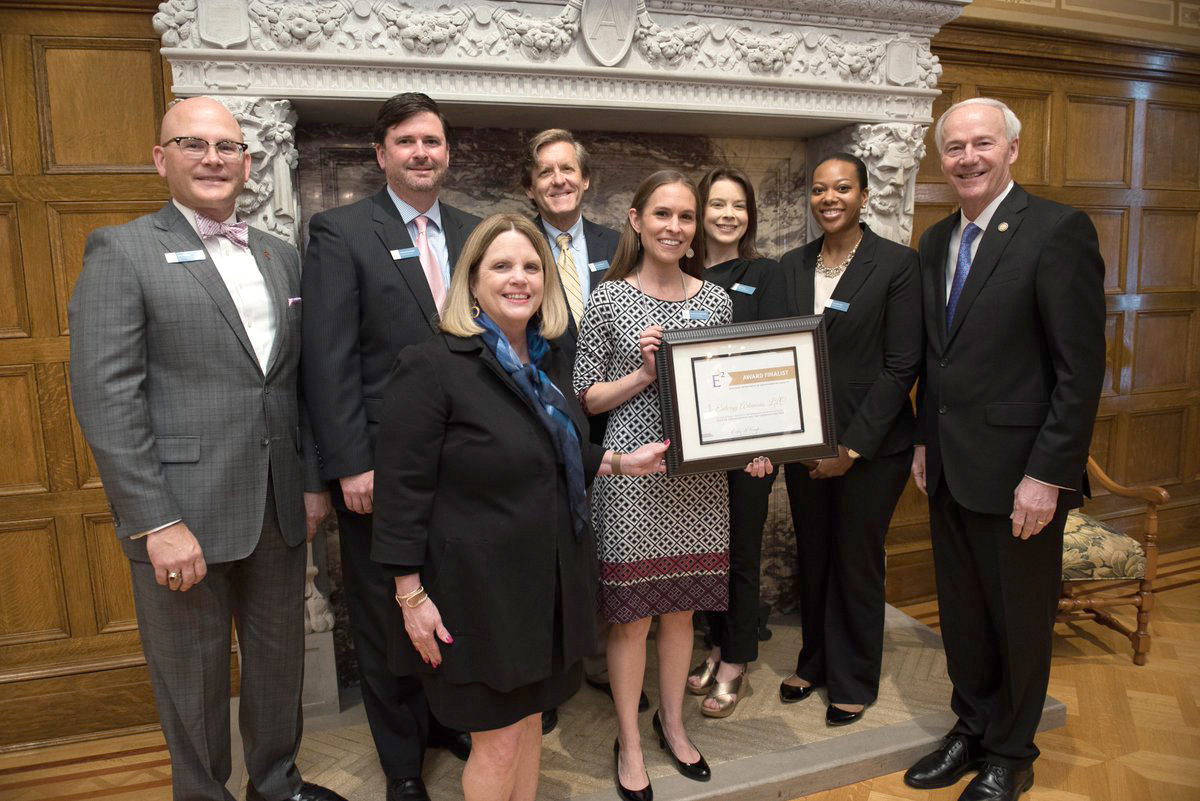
(569, 277)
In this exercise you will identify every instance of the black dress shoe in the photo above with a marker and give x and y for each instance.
(998, 783)
(456, 742)
(644, 794)
(957, 755)
(407, 790)
(312, 792)
(696, 771)
(790, 694)
(549, 720)
(841, 717)
(606, 688)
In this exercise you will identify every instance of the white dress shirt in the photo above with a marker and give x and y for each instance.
(434, 232)
(983, 220)
(579, 252)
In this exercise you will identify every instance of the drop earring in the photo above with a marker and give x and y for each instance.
(690, 253)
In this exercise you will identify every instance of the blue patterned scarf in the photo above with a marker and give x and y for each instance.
(551, 405)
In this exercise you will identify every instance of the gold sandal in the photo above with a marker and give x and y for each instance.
(706, 675)
(727, 694)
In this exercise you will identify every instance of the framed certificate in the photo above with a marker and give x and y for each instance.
(733, 392)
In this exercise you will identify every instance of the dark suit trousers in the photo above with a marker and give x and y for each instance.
(997, 597)
(841, 524)
(395, 705)
(186, 638)
(735, 632)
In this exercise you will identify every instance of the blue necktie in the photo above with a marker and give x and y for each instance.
(960, 272)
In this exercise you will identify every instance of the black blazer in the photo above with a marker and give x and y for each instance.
(468, 486)
(361, 307)
(1011, 387)
(760, 293)
(874, 346)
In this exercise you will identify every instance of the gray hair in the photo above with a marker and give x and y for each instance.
(1012, 125)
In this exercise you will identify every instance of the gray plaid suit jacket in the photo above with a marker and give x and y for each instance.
(182, 420)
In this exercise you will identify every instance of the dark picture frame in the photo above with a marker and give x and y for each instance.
(730, 393)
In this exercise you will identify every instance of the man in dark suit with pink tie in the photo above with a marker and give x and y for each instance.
(375, 275)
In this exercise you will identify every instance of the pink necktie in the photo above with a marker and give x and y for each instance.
(237, 233)
(433, 273)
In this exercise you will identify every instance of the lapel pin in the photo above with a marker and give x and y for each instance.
(267, 254)
(1002, 227)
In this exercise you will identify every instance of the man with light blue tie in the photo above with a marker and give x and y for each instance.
(1014, 323)
(556, 177)
(375, 275)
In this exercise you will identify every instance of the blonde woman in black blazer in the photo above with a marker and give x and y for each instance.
(481, 508)
(870, 294)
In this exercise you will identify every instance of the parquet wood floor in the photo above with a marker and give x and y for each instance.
(1132, 733)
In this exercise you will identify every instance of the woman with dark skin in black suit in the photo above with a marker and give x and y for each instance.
(481, 508)
(870, 294)
(730, 219)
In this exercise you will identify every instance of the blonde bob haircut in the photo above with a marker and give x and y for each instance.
(458, 315)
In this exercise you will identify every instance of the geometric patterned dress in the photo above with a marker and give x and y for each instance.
(663, 542)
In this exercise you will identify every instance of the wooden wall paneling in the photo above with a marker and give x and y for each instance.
(57, 436)
(23, 466)
(1112, 229)
(926, 214)
(931, 164)
(1158, 455)
(1162, 350)
(110, 580)
(1034, 108)
(89, 122)
(1104, 434)
(1113, 342)
(1172, 146)
(1169, 260)
(14, 304)
(1099, 141)
(5, 160)
(33, 606)
(69, 224)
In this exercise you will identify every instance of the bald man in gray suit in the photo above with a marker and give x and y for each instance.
(185, 351)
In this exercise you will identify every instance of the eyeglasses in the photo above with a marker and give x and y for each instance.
(196, 148)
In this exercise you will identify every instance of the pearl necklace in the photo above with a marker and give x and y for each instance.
(834, 272)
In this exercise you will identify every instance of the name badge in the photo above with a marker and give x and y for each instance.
(406, 253)
(696, 314)
(837, 305)
(743, 288)
(184, 256)
(598, 266)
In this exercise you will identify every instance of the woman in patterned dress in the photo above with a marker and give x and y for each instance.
(663, 542)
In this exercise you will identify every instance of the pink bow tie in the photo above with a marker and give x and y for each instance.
(237, 233)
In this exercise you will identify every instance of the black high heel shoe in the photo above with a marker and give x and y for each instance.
(697, 771)
(644, 794)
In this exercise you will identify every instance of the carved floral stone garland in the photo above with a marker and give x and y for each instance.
(347, 25)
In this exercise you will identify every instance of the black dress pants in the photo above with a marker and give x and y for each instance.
(841, 524)
(997, 596)
(735, 632)
(395, 705)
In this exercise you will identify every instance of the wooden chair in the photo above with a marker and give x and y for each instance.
(1103, 567)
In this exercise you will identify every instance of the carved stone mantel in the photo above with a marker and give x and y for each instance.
(835, 62)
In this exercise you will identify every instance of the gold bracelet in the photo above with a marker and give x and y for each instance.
(414, 598)
(616, 464)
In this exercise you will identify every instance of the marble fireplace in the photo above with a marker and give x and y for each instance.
(767, 85)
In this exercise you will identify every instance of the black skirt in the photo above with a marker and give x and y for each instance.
(477, 707)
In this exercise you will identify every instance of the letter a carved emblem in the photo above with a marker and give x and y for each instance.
(607, 27)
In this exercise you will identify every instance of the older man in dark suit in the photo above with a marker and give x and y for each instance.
(185, 349)
(556, 176)
(1014, 320)
(375, 275)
